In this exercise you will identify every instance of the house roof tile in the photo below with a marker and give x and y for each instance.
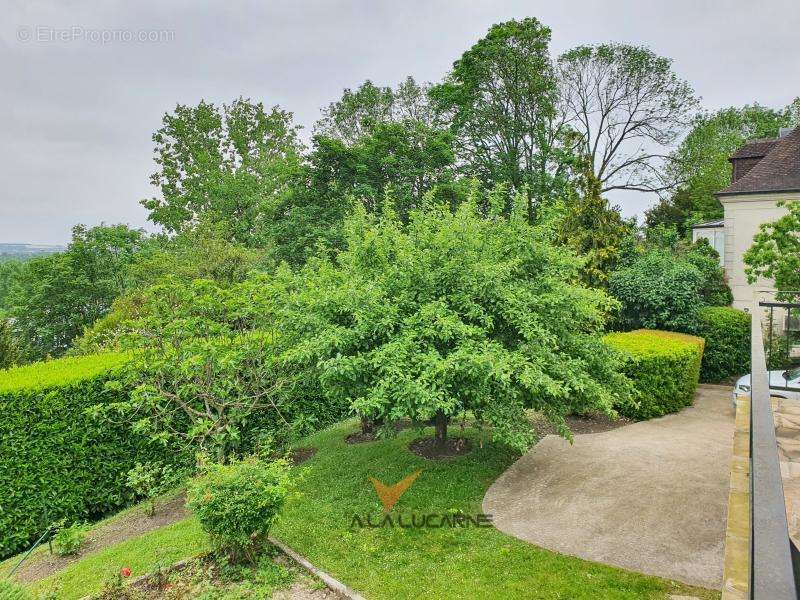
(778, 171)
(755, 148)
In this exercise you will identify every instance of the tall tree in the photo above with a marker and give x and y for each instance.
(593, 228)
(628, 105)
(405, 159)
(501, 97)
(357, 113)
(54, 297)
(223, 165)
(454, 312)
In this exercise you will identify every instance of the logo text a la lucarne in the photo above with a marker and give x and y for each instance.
(390, 494)
(421, 520)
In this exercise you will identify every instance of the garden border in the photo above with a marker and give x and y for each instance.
(329, 580)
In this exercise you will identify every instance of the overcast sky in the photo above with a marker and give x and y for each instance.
(77, 114)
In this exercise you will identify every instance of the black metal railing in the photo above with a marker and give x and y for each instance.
(773, 555)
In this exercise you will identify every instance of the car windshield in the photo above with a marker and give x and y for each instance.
(793, 374)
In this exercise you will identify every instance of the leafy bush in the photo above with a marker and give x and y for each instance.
(56, 460)
(11, 591)
(657, 291)
(664, 282)
(237, 504)
(455, 312)
(68, 540)
(151, 479)
(664, 367)
(726, 331)
(714, 290)
(203, 345)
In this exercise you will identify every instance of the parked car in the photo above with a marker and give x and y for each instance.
(778, 381)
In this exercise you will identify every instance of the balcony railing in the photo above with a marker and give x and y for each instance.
(774, 558)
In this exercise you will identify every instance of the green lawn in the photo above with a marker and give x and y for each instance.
(437, 563)
(138, 509)
(141, 555)
(391, 562)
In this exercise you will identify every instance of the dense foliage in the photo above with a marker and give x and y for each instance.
(238, 503)
(56, 460)
(8, 272)
(775, 252)
(405, 159)
(52, 298)
(664, 368)
(726, 331)
(225, 166)
(358, 112)
(663, 285)
(500, 100)
(9, 349)
(454, 312)
(207, 371)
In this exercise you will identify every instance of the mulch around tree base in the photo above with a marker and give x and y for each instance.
(426, 448)
(301, 455)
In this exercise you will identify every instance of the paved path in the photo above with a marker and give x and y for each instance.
(648, 497)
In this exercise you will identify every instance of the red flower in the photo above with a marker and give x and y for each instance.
(125, 572)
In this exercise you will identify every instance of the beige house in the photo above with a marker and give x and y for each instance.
(764, 172)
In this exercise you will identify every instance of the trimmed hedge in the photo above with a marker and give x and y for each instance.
(664, 368)
(56, 461)
(727, 334)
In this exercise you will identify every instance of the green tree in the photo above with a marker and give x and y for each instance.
(207, 371)
(53, 298)
(357, 113)
(595, 230)
(700, 164)
(226, 166)
(407, 158)
(9, 349)
(775, 252)
(9, 269)
(500, 99)
(627, 105)
(453, 312)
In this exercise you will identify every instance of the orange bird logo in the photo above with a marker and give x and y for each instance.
(390, 494)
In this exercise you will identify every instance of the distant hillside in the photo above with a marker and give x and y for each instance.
(23, 251)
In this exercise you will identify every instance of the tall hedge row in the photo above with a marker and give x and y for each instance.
(726, 331)
(56, 461)
(664, 367)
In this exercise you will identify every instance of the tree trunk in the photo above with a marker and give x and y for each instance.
(440, 421)
(368, 426)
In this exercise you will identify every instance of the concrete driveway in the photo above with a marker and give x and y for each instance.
(649, 497)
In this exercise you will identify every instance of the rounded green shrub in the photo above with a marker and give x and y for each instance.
(664, 367)
(237, 504)
(726, 331)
